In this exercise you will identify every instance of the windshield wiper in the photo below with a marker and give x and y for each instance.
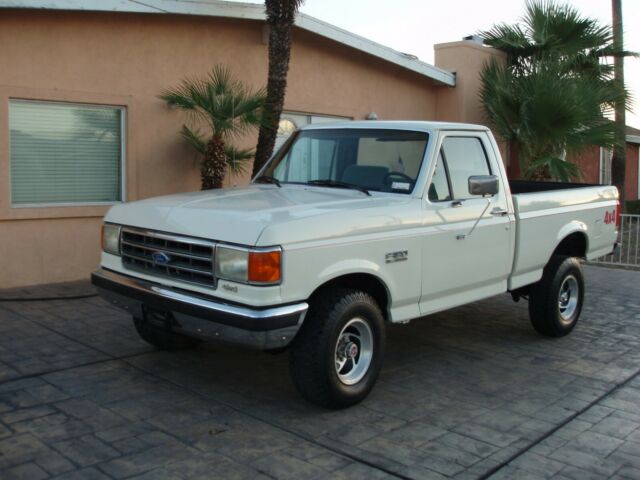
(268, 179)
(335, 183)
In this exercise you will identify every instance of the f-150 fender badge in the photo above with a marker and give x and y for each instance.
(399, 256)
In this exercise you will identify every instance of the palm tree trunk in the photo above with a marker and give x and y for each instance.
(619, 159)
(280, 17)
(214, 165)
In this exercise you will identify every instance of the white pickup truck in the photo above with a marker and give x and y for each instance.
(351, 226)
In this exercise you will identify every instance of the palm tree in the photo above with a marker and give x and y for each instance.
(554, 94)
(547, 116)
(229, 109)
(280, 17)
(619, 160)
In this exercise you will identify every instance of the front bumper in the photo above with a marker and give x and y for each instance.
(202, 317)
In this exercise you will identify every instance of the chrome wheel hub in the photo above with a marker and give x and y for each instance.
(351, 350)
(568, 299)
(354, 351)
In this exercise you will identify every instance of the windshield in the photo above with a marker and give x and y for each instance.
(373, 159)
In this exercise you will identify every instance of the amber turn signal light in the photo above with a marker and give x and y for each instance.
(264, 267)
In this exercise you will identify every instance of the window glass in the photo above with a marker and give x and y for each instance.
(376, 159)
(439, 188)
(465, 157)
(308, 158)
(397, 156)
(64, 153)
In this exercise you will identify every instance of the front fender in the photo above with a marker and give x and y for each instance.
(350, 266)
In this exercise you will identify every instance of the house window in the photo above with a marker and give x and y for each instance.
(605, 166)
(62, 153)
(290, 122)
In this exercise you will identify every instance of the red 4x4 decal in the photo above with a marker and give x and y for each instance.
(610, 217)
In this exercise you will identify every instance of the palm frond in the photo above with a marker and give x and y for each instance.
(228, 108)
(238, 159)
(557, 88)
(194, 139)
(555, 167)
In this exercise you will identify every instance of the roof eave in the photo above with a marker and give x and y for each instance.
(245, 11)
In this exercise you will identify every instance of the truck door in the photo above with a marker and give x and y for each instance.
(467, 241)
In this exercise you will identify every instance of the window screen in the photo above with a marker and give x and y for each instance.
(64, 153)
(465, 157)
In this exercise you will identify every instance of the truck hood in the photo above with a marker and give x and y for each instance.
(241, 214)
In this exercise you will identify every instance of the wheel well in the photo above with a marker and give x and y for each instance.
(362, 281)
(574, 245)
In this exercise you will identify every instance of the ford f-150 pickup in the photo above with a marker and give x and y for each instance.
(347, 228)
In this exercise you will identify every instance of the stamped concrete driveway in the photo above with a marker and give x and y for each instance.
(469, 393)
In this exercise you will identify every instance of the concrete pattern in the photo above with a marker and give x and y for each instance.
(469, 393)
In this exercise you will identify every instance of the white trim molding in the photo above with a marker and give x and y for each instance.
(633, 139)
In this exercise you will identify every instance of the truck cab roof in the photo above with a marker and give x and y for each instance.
(426, 126)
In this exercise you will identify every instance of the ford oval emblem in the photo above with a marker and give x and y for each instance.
(160, 257)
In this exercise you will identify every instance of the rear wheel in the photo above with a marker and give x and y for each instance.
(336, 357)
(555, 302)
(162, 337)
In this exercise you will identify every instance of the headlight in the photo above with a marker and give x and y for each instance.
(254, 266)
(111, 238)
(232, 264)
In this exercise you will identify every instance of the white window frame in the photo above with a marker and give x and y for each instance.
(123, 152)
(601, 167)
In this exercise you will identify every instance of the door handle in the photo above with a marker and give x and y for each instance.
(499, 212)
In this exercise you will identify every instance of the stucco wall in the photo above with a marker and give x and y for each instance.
(462, 103)
(127, 59)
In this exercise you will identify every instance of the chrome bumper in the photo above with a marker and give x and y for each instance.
(199, 316)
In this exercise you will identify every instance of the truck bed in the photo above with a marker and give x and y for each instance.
(548, 212)
(528, 186)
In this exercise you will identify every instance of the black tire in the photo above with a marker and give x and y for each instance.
(162, 338)
(312, 356)
(548, 316)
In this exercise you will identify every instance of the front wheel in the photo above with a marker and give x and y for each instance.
(336, 357)
(555, 302)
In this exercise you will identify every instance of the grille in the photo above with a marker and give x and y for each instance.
(186, 259)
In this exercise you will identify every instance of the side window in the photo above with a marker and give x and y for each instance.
(439, 188)
(465, 157)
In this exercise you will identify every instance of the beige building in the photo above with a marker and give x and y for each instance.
(82, 128)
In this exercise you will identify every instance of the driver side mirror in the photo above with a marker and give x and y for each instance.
(483, 185)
